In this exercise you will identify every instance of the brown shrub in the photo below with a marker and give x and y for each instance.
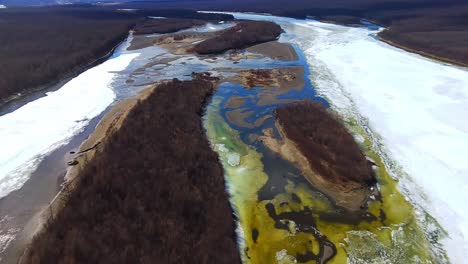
(154, 194)
(329, 147)
(40, 46)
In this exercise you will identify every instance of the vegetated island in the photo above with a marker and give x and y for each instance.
(154, 191)
(167, 25)
(326, 153)
(243, 35)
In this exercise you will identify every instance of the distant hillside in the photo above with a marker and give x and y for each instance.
(434, 28)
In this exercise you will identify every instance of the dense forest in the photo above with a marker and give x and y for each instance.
(38, 46)
(330, 149)
(244, 34)
(161, 26)
(159, 11)
(154, 193)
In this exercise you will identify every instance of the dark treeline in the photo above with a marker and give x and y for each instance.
(181, 13)
(436, 27)
(154, 193)
(244, 34)
(161, 26)
(41, 45)
(330, 149)
(442, 33)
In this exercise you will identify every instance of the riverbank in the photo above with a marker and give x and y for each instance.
(411, 49)
(80, 156)
(133, 183)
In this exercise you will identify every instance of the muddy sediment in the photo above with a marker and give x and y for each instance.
(271, 83)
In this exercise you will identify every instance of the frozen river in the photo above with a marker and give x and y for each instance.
(414, 108)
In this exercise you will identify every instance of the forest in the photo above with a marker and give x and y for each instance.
(436, 27)
(155, 192)
(244, 34)
(39, 46)
(330, 149)
(162, 26)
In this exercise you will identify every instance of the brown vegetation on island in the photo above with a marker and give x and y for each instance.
(168, 25)
(243, 35)
(174, 12)
(325, 151)
(329, 147)
(154, 193)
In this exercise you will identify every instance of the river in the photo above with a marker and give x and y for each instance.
(281, 217)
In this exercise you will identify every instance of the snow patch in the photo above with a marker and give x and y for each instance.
(36, 129)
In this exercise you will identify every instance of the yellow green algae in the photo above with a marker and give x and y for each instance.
(397, 239)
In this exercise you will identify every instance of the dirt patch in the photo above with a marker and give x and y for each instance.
(175, 43)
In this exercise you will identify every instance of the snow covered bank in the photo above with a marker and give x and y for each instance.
(415, 107)
(39, 127)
